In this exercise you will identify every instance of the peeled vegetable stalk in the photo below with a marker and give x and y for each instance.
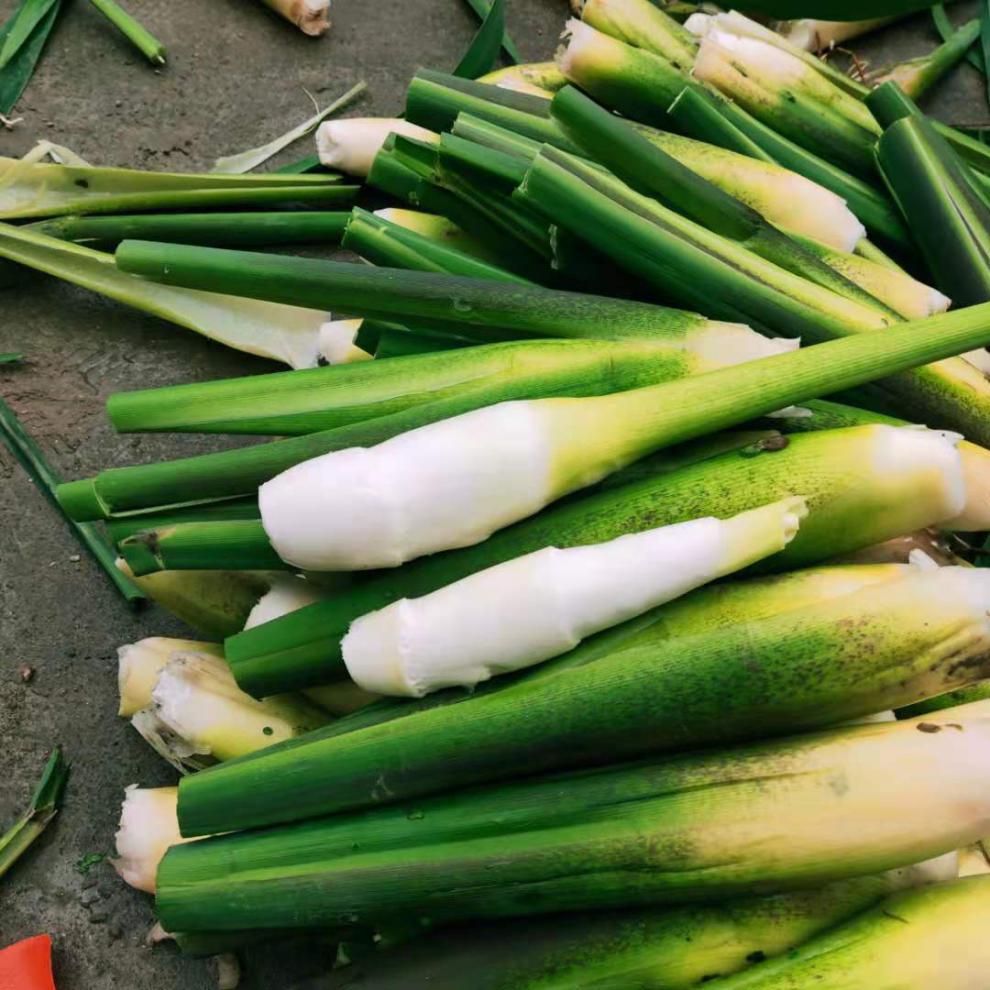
(543, 604)
(863, 485)
(917, 637)
(709, 825)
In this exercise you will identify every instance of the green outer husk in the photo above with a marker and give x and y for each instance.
(874, 209)
(44, 806)
(29, 455)
(643, 25)
(120, 527)
(138, 35)
(846, 513)
(917, 76)
(300, 402)
(220, 229)
(237, 544)
(950, 220)
(461, 305)
(909, 940)
(55, 190)
(584, 199)
(649, 949)
(385, 243)
(615, 837)
(400, 342)
(214, 603)
(951, 699)
(649, 170)
(393, 173)
(434, 100)
(482, 9)
(482, 54)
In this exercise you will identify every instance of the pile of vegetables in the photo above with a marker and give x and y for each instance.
(564, 582)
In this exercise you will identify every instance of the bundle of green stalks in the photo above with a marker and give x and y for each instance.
(750, 679)
(766, 814)
(653, 949)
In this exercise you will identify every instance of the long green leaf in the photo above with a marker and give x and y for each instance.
(483, 50)
(16, 74)
(946, 30)
(33, 461)
(482, 8)
(985, 37)
(44, 806)
(26, 18)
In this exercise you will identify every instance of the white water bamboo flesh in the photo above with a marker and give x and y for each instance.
(438, 487)
(543, 604)
(140, 663)
(352, 144)
(149, 825)
(816, 36)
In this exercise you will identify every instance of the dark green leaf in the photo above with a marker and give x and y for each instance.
(946, 29)
(483, 50)
(11, 358)
(21, 26)
(482, 8)
(27, 452)
(16, 74)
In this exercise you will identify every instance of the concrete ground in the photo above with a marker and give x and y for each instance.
(235, 78)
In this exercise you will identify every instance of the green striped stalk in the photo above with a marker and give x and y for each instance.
(644, 238)
(228, 545)
(651, 171)
(28, 189)
(434, 99)
(850, 509)
(44, 806)
(410, 173)
(351, 144)
(122, 526)
(460, 305)
(648, 948)
(283, 333)
(928, 937)
(300, 402)
(708, 117)
(786, 199)
(916, 76)
(917, 637)
(638, 83)
(222, 229)
(705, 826)
(906, 296)
(384, 243)
(950, 220)
(542, 605)
(214, 603)
(643, 25)
(528, 77)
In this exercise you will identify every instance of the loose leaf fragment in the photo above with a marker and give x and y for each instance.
(43, 808)
(482, 8)
(16, 74)
(22, 25)
(483, 50)
(252, 158)
(946, 30)
(132, 29)
(33, 461)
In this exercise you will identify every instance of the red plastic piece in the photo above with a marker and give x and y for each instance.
(27, 965)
